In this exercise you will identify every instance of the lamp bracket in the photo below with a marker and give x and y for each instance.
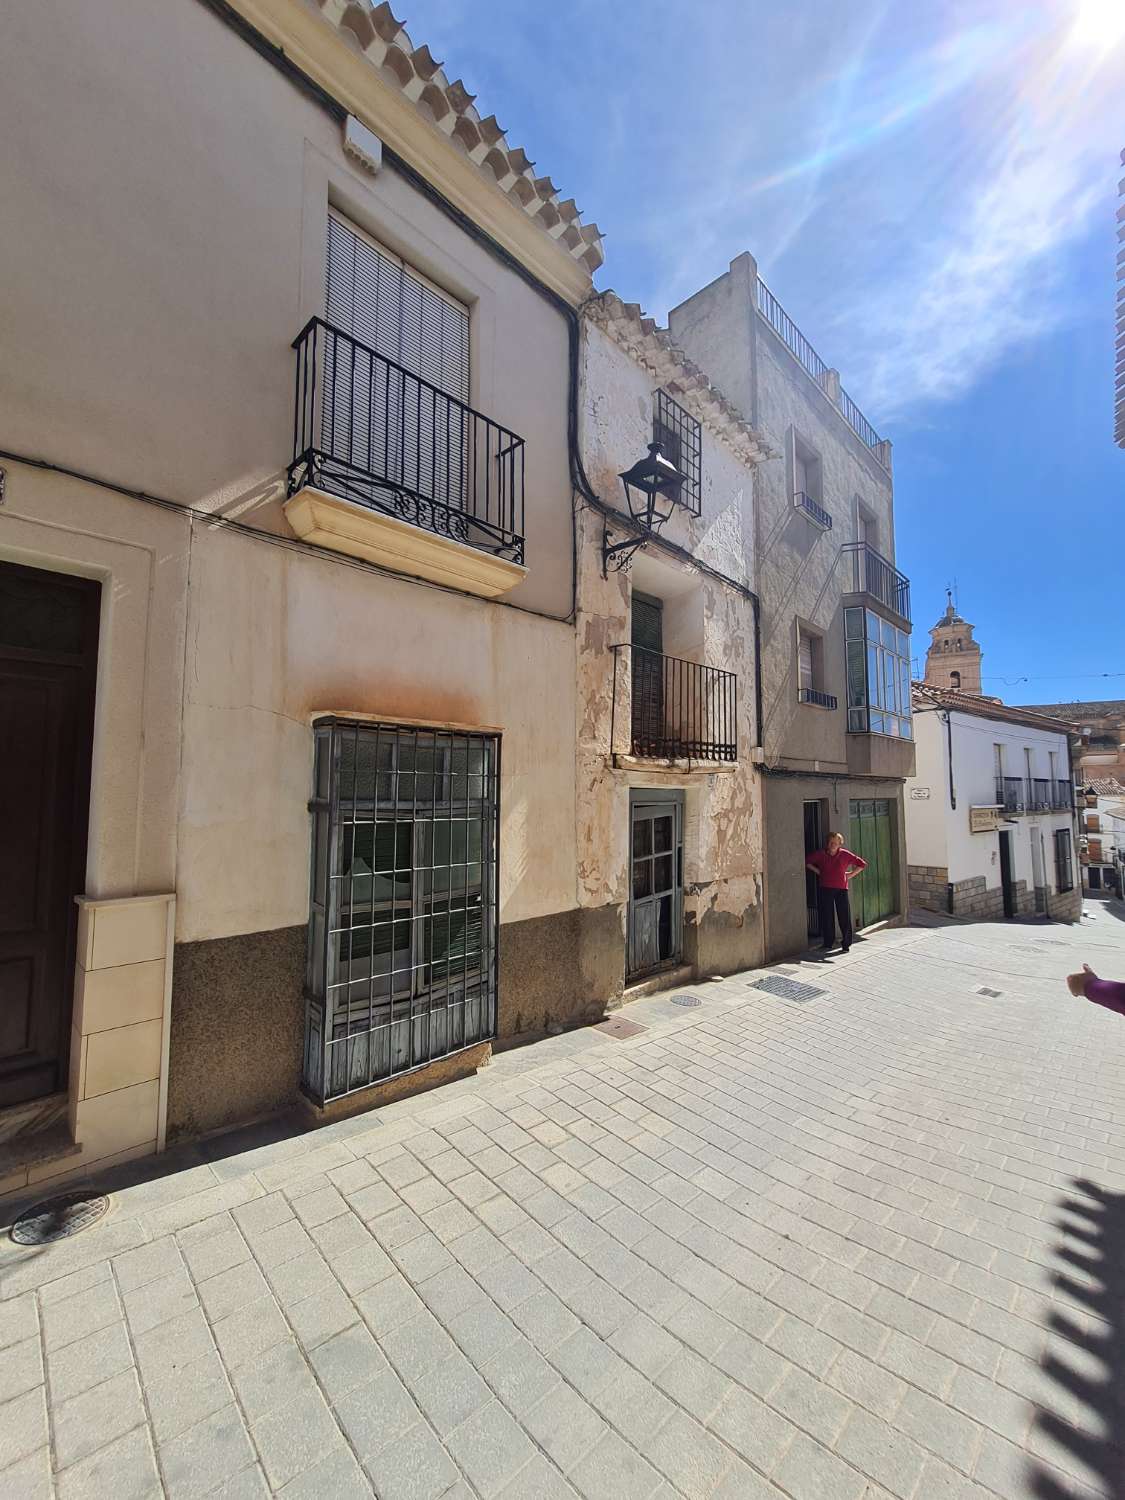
(619, 555)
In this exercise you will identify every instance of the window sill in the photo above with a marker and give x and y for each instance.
(660, 766)
(344, 526)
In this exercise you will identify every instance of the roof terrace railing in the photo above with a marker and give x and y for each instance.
(811, 362)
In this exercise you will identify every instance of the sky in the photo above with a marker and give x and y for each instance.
(930, 191)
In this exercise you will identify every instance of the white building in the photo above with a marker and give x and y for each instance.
(1101, 827)
(989, 810)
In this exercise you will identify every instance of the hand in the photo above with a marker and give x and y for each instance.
(1076, 983)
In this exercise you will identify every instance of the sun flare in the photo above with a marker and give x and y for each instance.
(1098, 25)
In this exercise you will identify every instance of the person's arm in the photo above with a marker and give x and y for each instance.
(1107, 992)
(856, 863)
(810, 864)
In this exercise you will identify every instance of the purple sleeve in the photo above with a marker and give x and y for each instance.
(1107, 992)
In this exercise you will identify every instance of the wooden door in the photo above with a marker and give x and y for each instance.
(647, 636)
(656, 893)
(48, 659)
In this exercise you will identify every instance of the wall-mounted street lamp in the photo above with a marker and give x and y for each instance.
(652, 488)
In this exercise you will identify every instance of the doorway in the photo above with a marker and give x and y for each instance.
(647, 637)
(656, 863)
(816, 829)
(1006, 884)
(48, 662)
(1038, 870)
(874, 894)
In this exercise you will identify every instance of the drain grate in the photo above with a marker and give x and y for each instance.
(620, 1029)
(983, 989)
(789, 989)
(59, 1218)
(688, 1000)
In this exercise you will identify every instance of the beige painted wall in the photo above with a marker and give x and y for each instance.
(202, 230)
(277, 638)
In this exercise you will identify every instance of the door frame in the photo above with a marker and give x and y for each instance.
(84, 664)
(1007, 884)
(657, 797)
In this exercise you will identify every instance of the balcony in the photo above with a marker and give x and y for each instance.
(1039, 796)
(816, 697)
(814, 512)
(869, 573)
(1011, 793)
(390, 468)
(1062, 797)
(665, 708)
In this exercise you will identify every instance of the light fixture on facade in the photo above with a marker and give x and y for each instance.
(652, 487)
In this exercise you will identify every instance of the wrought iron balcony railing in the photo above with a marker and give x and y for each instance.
(368, 430)
(1063, 797)
(809, 507)
(1038, 795)
(814, 695)
(871, 573)
(669, 709)
(1011, 792)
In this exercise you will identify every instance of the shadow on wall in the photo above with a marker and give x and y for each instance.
(1084, 1364)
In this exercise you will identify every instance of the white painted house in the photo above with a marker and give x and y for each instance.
(1101, 830)
(989, 810)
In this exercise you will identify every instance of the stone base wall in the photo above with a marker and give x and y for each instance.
(1065, 906)
(976, 899)
(929, 887)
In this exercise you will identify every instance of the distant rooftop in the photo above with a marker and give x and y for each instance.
(1106, 709)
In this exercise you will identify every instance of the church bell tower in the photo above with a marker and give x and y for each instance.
(953, 660)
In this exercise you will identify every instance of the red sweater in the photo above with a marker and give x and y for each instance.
(833, 869)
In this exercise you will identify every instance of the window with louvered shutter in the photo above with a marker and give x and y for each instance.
(380, 420)
(805, 662)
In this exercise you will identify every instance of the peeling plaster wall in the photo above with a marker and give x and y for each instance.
(704, 622)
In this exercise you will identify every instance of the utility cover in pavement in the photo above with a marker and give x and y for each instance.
(789, 989)
(620, 1029)
(992, 994)
(686, 1000)
(59, 1218)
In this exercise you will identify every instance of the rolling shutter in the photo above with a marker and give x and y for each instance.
(804, 662)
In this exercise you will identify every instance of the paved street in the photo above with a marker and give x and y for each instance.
(872, 1244)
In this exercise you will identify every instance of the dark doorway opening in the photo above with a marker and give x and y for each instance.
(656, 884)
(816, 831)
(48, 665)
(1006, 883)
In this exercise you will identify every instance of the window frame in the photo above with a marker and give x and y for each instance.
(680, 436)
(878, 644)
(1063, 843)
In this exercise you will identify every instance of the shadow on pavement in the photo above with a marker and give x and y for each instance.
(1089, 1375)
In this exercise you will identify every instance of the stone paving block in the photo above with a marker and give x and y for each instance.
(305, 1275)
(867, 1384)
(136, 1268)
(519, 1375)
(30, 1478)
(923, 1367)
(490, 1448)
(88, 1361)
(376, 1413)
(422, 1256)
(450, 1393)
(281, 1242)
(689, 1456)
(61, 1288)
(180, 1400)
(21, 1368)
(614, 1471)
(388, 1303)
(87, 1422)
(318, 1317)
(696, 1385)
(71, 1318)
(232, 1289)
(414, 1466)
(294, 1436)
(810, 1405)
(754, 1430)
(124, 1469)
(250, 1332)
(276, 1378)
(934, 1424)
(360, 1268)
(586, 1362)
(634, 1406)
(217, 1253)
(338, 1476)
(482, 1331)
(565, 1426)
(23, 1426)
(882, 1452)
(349, 1359)
(157, 1301)
(206, 1455)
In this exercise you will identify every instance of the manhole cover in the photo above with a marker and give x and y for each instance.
(59, 1218)
(789, 989)
(688, 1000)
(983, 989)
(618, 1028)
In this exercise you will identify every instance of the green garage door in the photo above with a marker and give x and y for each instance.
(874, 893)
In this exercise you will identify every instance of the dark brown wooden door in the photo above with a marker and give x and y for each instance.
(48, 661)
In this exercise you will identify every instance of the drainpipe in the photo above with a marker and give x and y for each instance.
(949, 739)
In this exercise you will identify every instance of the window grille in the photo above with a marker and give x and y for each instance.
(680, 437)
(404, 901)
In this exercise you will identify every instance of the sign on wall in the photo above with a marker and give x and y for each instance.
(919, 794)
(984, 819)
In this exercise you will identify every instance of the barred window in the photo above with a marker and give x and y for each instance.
(403, 911)
(680, 436)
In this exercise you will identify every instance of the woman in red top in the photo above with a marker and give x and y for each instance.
(834, 866)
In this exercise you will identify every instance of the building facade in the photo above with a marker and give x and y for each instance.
(1097, 736)
(835, 743)
(1101, 835)
(308, 592)
(990, 810)
(953, 658)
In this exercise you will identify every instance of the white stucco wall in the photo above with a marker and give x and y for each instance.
(926, 807)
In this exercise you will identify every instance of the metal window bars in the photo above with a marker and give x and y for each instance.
(402, 964)
(815, 512)
(1062, 797)
(1039, 795)
(872, 573)
(814, 695)
(680, 436)
(369, 430)
(667, 708)
(1011, 792)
